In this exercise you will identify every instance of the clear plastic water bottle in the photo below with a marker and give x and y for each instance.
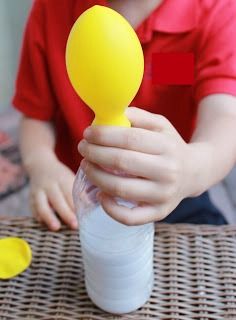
(118, 259)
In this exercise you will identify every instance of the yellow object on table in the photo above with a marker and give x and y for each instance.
(15, 257)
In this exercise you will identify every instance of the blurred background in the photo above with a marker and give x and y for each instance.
(13, 180)
(13, 14)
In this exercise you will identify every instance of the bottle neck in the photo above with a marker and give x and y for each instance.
(121, 121)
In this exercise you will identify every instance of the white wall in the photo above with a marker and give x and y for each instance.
(13, 14)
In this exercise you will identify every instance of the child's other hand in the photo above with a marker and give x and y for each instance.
(159, 161)
(51, 191)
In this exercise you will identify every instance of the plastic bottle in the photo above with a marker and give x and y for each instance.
(118, 259)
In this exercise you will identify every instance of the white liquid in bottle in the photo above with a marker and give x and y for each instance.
(118, 262)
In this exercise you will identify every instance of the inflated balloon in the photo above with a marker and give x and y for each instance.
(15, 257)
(105, 63)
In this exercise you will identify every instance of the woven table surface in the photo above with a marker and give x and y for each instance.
(194, 266)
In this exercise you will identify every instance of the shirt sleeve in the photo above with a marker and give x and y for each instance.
(216, 59)
(34, 95)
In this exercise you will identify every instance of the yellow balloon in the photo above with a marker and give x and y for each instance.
(15, 257)
(104, 61)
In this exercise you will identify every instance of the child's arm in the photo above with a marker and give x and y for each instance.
(166, 169)
(50, 180)
(214, 140)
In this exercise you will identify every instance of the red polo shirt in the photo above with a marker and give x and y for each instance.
(205, 27)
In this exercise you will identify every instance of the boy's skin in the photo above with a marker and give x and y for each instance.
(166, 168)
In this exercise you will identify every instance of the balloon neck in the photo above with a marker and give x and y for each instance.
(121, 121)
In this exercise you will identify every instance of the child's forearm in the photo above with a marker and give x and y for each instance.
(214, 141)
(50, 180)
(37, 141)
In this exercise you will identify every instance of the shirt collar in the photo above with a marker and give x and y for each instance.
(172, 16)
(175, 16)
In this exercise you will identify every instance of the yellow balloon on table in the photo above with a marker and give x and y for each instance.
(15, 257)
(104, 61)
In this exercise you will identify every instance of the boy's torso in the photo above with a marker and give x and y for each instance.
(169, 28)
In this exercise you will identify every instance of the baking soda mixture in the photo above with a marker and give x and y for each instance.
(118, 262)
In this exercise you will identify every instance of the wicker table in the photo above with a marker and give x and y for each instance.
(195, 276)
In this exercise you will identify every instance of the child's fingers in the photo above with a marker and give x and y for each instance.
(34, 211)
(35, 214)
(60, 205)
(129, 188)
(130, 216)
(44, 212)
(131, 162)
(67, 191)
(140, 118)
(135, 139)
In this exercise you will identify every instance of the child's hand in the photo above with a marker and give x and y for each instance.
(51, 191)
(153, 152)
